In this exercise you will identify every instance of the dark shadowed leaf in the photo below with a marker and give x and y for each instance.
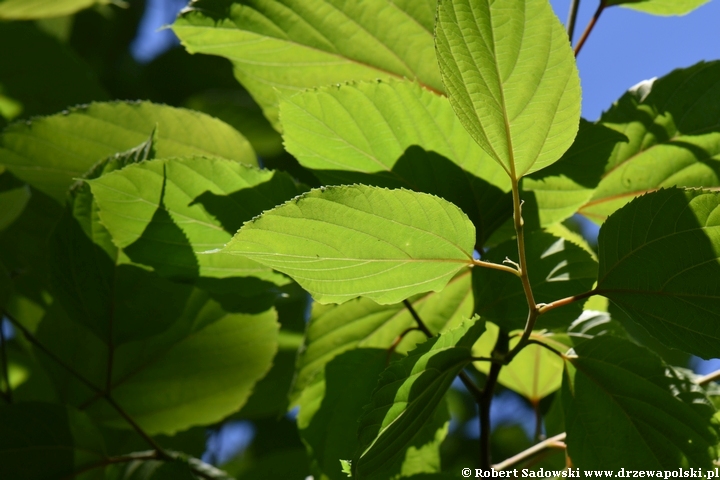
(41, 441)
(407, 395)
(657, 256)
(638, 412)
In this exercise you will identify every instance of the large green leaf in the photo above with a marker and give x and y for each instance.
(557, 268)
(321, 42)
(164, 212)
(50, 152)
(673, 136)
(342, 242)
(362, 323)
(624, 408)
(395, 134)
(197, 372)
(43, 440)
(31, 9)
(407, 395)
(511, 77)
(660, 7)
(41, 75)
(658, 256)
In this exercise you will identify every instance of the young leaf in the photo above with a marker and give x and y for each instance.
(197, 372)
(163, 212)
(518, 98)
(362, 323)
(343, 242)
(45, 440)
(32, 9)
(407, 395)
(323, 42)
(50, 152)
(624, 408)
(395, 134)
(657, 257)
(557, 268)
(673, 136)
(660, 7)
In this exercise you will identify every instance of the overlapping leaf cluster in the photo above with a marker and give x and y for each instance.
(154, 267)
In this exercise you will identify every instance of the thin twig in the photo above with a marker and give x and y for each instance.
(501, 346)
(7, 394)
(114, 460)
(545, 345)
(496, 266)
(572, 18)
(710, 377)
(553, 442)
(590, 26)
(566, 301)
(397, 342)
(464, 377)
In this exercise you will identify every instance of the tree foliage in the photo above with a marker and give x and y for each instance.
(364, 210)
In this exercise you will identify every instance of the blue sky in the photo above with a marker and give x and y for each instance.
(627, 46)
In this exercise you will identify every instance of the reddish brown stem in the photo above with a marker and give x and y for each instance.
(590, 26)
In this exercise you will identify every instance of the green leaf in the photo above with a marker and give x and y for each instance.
(660, 7)
(637, 411)
(395, 134)
(151, 470)
(44, 440)
(534, 373)
(362, 323)
(31, 9)
(557, 268)
(673, 136)
(322, 42)
(519, 99)
(657, 256)
(48, 153)
(42, 75)
(408, 393)
(12, 204)
(164, 212)
(342, 242)
(197, 372)
(558, 191)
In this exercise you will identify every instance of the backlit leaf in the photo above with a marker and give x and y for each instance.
(50, 152)
(518, 98)
(322, 42)
(31, 9)
(164, 212)
(395, 134)
(673, 136)
(343, 242)
(661, 7)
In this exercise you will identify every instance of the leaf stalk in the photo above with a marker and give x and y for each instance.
(590, 26)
